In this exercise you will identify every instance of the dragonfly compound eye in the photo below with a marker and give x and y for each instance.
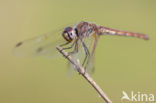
(68, 34)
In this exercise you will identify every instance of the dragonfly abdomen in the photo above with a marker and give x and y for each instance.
(109, 31)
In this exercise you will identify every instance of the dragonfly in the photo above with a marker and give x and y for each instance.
(80, 40)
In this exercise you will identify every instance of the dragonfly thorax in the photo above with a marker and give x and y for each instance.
(69, 34)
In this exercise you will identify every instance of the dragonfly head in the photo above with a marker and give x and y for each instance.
(69, 34)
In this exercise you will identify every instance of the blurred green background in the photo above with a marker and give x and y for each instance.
(122, 63)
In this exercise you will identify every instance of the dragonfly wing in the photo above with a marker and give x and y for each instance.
(75, 57)
(44, 44)
(89, 41)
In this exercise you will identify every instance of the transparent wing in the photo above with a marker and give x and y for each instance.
(91, 60)
(89, 41)
(44, 44)
(75, 57)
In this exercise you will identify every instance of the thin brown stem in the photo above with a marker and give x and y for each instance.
(81, 71)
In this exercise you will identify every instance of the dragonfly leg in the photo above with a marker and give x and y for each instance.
(64, 44)
(69, 46)
(87, 55)
(91, 58)
(75, 49)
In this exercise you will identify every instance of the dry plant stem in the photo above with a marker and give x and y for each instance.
(81, 71)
